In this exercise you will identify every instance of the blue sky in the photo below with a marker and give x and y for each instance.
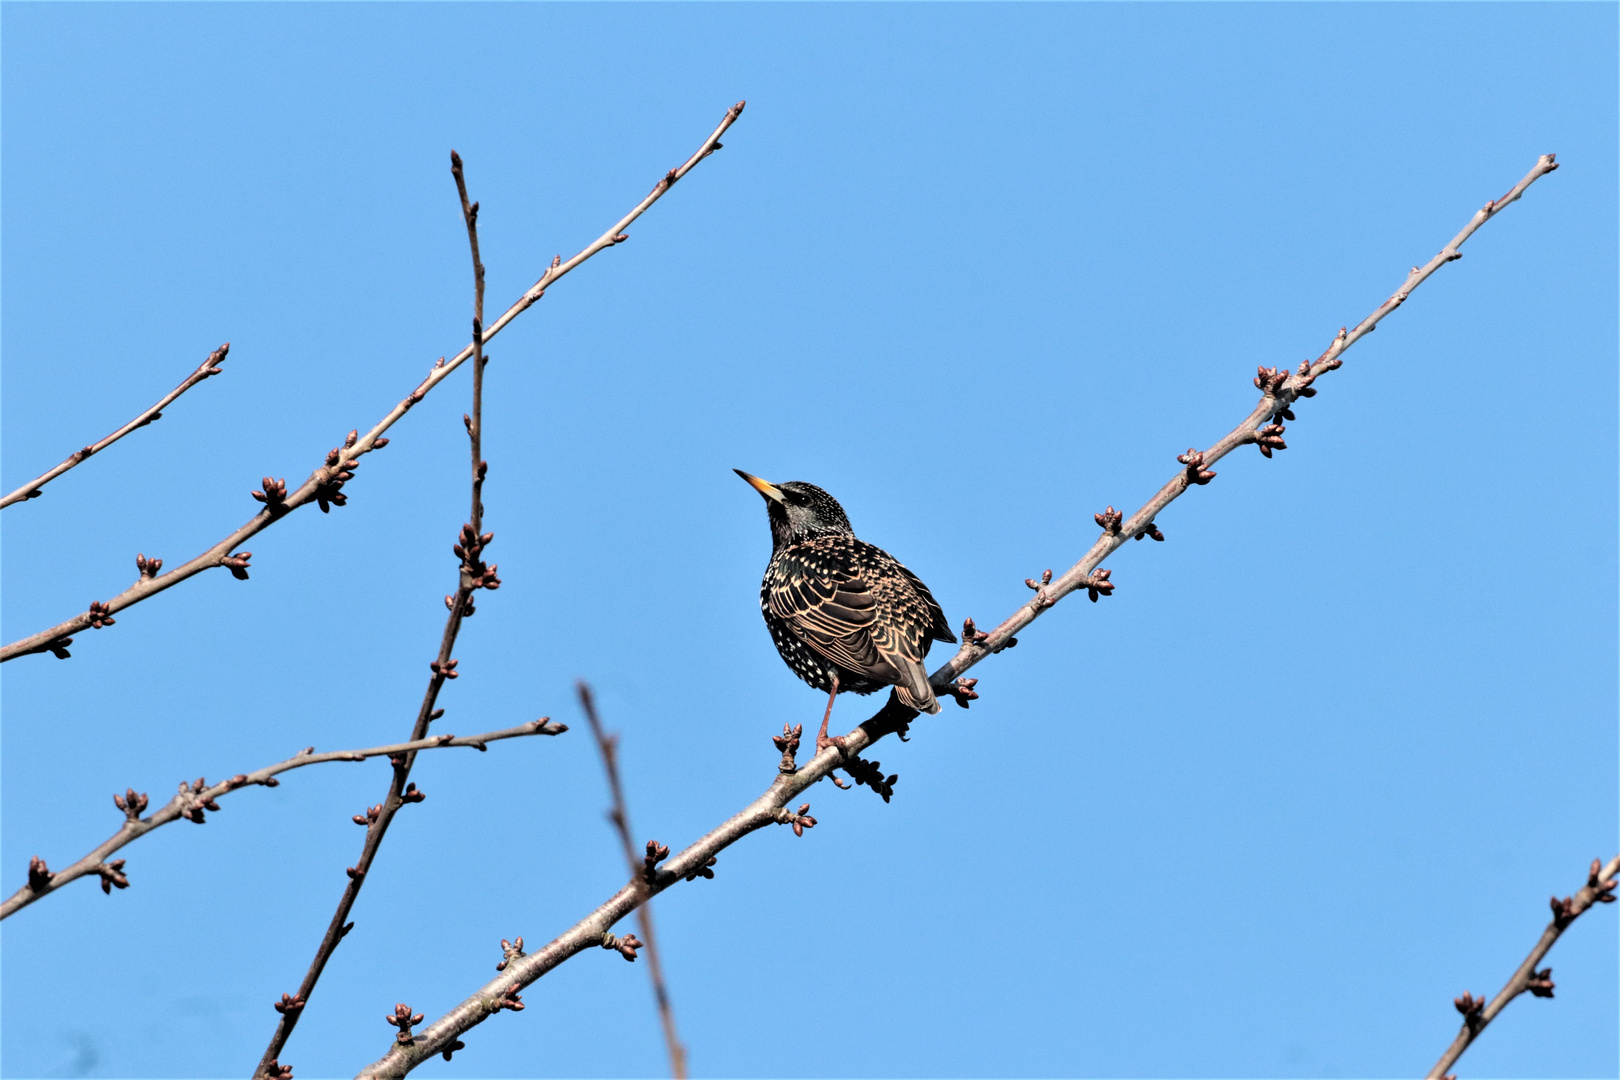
(979, 271)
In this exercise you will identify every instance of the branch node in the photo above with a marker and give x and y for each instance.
(625, 946)
(510, 950)
(290, 1004)
(1540, 983)
(274, 496)
(404, 1019)
(131, 802)
(39, 875)
(1109, 521)
(148, 568)
(112, 875)
(962, 690)
(656, 853)
(1269, 438)
(788, 744)
(1472, 1009)
(1097, 584)
(1196, 473)
(800, 819)
(100, 615)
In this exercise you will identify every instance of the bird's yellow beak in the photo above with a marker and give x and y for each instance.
(769, 490)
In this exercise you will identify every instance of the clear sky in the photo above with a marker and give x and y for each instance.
(979, 271)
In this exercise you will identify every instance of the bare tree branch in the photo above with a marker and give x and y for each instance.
(1599, 889)
(474, 575)
(324, 483)
(1279, 389)
(620, 817)
(35, 487)
(194, 798)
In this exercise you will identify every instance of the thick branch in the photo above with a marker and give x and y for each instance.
(770, 808)
(194, 798)
(34, 488)
(373, 439)
(1599, 889)
(620, 817)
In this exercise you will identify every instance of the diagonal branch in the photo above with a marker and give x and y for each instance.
(620, 817)
(1599, 889)
(194, 798)
(34, 488)
(346, 458)
(1280, 390)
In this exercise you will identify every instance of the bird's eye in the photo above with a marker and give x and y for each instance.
(797, 498)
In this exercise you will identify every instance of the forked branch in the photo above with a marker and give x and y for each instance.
(1279, 388)
(1599, 889)
(35, 487)
(279, 502)
(194, 798)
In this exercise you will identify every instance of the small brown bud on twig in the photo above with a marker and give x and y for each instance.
(369, 817)
(290, 1004)
(39, 875)
(100, 615)
(1149, 529)
(972, 635)
(1042, 599)
(112, 875)
(788, 744)
(1099, 585)
(453, 1047)
(237, 564)
(148, 567)
(508, 1000)
(447, 669)
(58, 648)
(1563, 911)
(277, 1071)
(411, 794)
(1109, 521)
(1540, 983)
(403, 1019)
(962, 690)
(354, 874)
(626, 946)
(1269, 438)
(193, 801)
(702, 870)
(1196, 473)
(799, 820)
(510, 950)
(131, 803)
(1271, 380)
(274, 495)
(1471, 1008)
(656, 853)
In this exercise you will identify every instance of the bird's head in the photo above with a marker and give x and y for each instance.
(799, 511)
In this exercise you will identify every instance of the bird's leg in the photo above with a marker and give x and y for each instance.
(822, 741)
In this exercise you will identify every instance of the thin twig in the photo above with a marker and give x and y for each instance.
(35, 487)
(1599, 889)
(620, 817)
(195, 797)
(770, 808)
(57, 637)
(474, 575)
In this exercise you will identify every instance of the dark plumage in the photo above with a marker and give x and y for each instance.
(840, 608)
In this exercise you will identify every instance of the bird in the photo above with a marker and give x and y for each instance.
(844, 614)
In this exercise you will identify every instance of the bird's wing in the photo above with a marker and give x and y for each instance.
(938, 628)
(817, 589)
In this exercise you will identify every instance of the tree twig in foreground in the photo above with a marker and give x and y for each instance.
(194, 798)
(324, 484)
(1599, 889)
(35, 487)
(1279, 390)
(620, 817)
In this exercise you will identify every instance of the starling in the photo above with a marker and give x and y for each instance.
(845, 615)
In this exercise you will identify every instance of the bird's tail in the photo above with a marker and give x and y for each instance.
(915, 692)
